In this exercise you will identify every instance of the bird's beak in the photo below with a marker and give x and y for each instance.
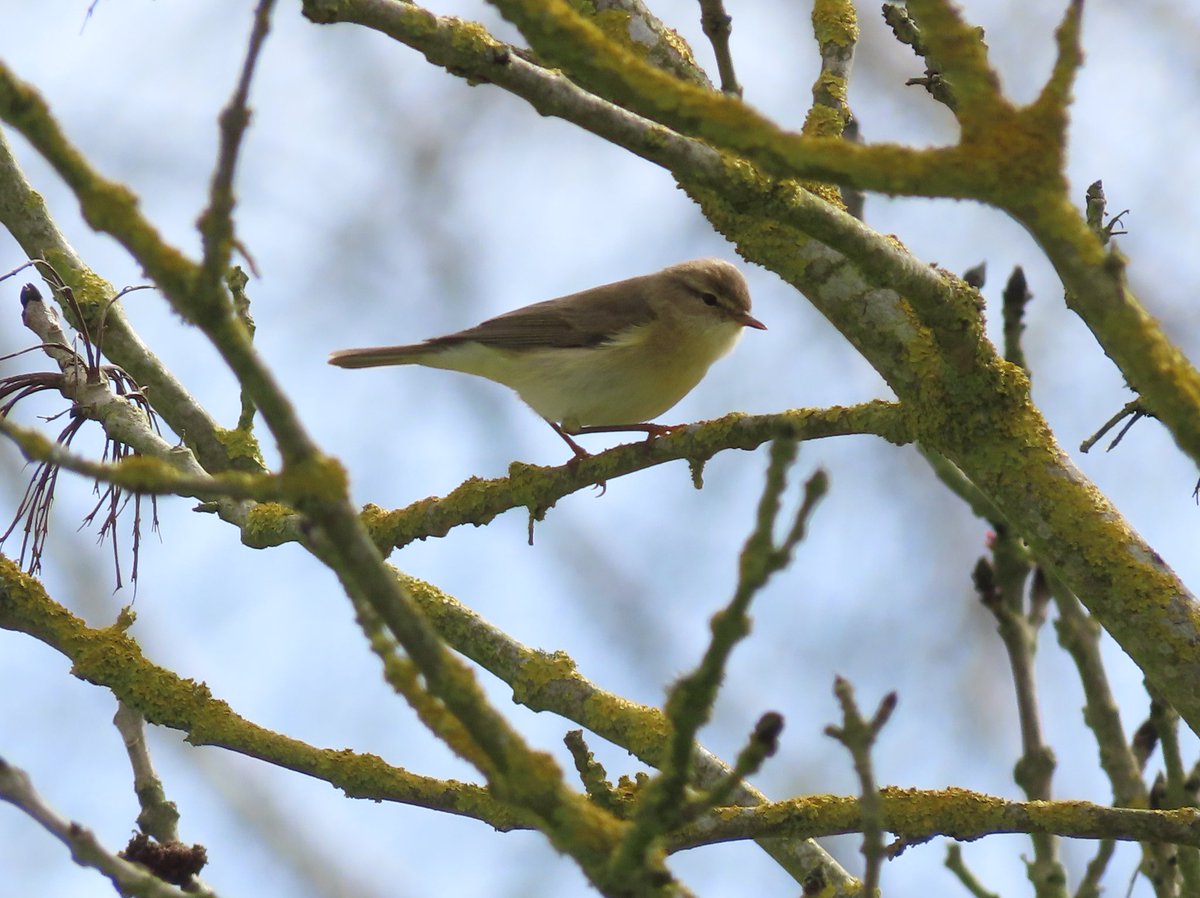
(747, 320)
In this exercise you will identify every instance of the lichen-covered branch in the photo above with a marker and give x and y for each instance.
(111, 658)
(972, 407)
(23, 213)
(550, 682)
(538, 489)
(154, 475)
(317, 488)
(1010, 157)
(919, 815)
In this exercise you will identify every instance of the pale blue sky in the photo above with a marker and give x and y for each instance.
(386, 201)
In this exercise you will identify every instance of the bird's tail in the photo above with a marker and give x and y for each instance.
(374, 356)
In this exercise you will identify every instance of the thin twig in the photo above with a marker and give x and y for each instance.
(661, 805)
(717, 25)
(129, 879)
(236, 279)
(835, 25)
(1079, 634)
(956, 865)
(159, 817)
(858, 735)
(216, 222)
(854, 199)
(593, 775)
(907, 31)
(142, 474)
(1001, 587)
(1132, 409)
(762, 744)
(1175, 792)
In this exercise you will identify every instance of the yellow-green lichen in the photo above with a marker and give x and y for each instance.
(316, 478)
(268, 524)
(240, 446)
(835, 22)
(538, 671)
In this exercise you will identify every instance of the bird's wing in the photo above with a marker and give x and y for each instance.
(589, 318)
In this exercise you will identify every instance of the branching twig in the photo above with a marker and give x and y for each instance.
(142, 462)
(1134, 410)
(539, 681)
(661, 805)
(101, 392)
(858, 735)
(551, 682)
(109, 657)
(147, 475)
(1001, 587)
(129, 879)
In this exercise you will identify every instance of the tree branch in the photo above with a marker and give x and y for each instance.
(972, 407)
(920, 815)
(127, 878)
(112, 659)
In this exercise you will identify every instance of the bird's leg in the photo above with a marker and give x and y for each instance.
(652, 432)
(580, 452)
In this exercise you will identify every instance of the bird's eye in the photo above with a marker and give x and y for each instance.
(710, 299)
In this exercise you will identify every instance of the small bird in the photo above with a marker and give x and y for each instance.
(602, 360)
